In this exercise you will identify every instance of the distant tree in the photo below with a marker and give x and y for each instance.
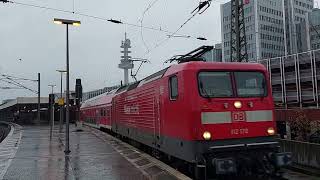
(300, 126)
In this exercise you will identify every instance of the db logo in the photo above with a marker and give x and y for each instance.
(239, 116)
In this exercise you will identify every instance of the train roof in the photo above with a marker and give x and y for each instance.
(102, 99)
(193, 65)
(200, 65)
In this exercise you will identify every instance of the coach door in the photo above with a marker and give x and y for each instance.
(157, 119)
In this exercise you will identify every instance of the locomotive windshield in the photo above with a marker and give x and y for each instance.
(219, 84)
(215, 84)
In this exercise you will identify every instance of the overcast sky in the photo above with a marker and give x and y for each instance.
(29, 34)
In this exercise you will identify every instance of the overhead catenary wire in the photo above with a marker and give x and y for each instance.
(12, 82)
(7, 87)
(89, 16)
(151, 4)
(17, 78)
(194, 13)
(20, 85)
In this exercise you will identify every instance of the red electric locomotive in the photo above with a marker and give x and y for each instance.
(218, 117)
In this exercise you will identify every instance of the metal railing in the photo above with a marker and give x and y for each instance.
(295, 79)
(303, 153)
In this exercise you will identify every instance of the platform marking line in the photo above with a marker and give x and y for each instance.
(153, 162)
(6, 151)
(7, 147)
(117, 150)
(70, 168)
(16, 130)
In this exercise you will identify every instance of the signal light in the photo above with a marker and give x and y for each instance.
(206, 135)
(237, 104)
(271, 131)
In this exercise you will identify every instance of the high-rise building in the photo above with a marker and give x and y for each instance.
(308, 32)
(296, 12)
(314, 28)
(269, 31)
(215, 55)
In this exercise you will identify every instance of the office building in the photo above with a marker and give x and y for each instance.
(269, 31)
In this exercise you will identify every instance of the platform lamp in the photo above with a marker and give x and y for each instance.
(67, 22)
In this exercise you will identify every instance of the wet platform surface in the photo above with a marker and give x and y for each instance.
(38, 157)
(30, 154)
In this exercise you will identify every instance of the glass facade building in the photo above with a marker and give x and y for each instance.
(314, 26)
(296, 13)
(271, 27)
(215, 55)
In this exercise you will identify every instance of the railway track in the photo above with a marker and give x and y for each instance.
(4, 130)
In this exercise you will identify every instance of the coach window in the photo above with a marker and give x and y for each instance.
(173, 85)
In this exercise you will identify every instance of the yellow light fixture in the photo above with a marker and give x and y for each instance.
(66, 21)
(271, 131)
(206, 135)
(57, 22)
(76, 23)
(237, 104)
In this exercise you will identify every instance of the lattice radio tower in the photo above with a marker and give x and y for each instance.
(238, 52)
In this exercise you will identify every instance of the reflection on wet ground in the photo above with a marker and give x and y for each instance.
(94, 155)
(38, 157)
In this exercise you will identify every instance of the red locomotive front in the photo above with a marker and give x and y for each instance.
(217, 115)
(234, 104)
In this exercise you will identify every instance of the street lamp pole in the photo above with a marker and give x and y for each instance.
(67, 150)
(67, 23)
(52, 86)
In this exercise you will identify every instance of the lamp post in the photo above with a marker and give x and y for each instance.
(39, 105)
(61, 101)
(52, 86)
(67, 23)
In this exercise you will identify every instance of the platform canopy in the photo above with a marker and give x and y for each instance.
(23, 100)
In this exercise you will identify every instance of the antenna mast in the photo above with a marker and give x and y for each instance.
(125, 62)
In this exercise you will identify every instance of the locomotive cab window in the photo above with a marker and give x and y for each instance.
(220, 84)
(215, 84)
(173, 85)
(250, 84)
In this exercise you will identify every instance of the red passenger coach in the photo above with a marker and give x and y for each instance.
(218, 115)
(96, 112)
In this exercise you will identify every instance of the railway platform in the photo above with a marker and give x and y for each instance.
(28, 153)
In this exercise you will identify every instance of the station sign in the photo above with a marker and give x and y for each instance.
(61, 101)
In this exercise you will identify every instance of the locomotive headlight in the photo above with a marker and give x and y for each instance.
(206, 135)
(237, 104)
(271, 131)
